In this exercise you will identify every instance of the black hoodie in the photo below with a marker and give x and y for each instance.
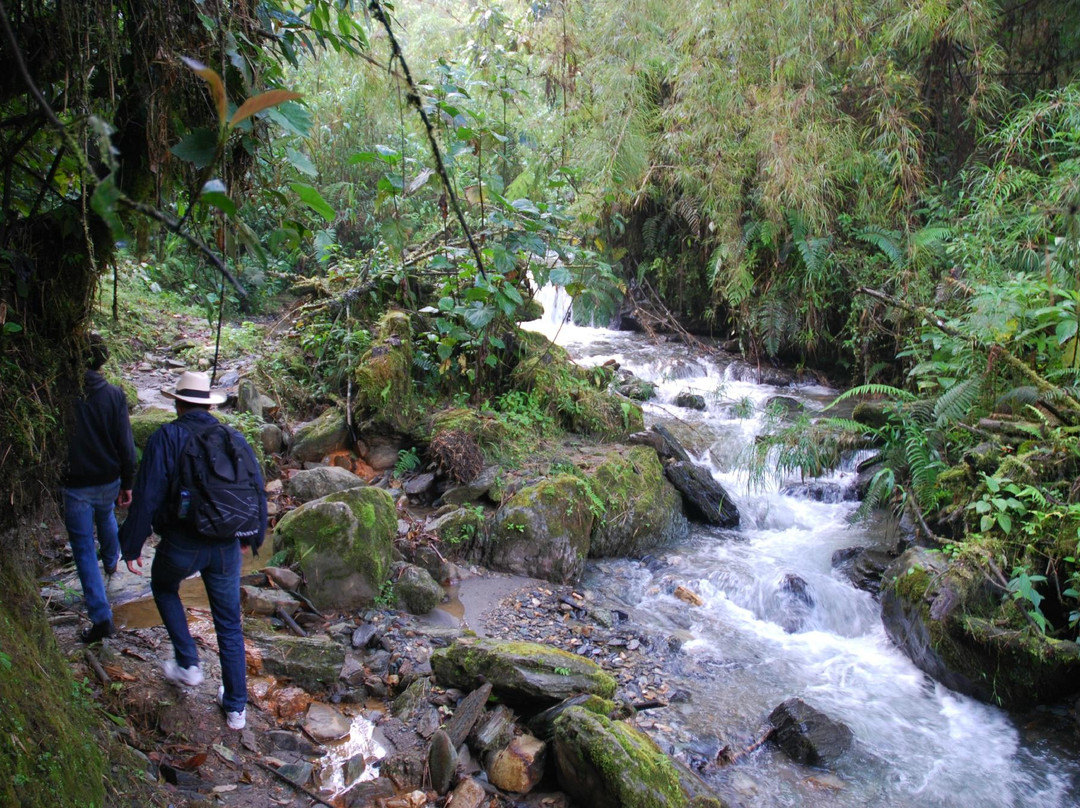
(100, 447)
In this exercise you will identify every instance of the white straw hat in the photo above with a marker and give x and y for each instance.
(194, 388)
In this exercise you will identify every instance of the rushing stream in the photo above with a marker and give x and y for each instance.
(916, 742)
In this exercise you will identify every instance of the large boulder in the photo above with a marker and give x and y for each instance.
(543, 531)
(609, 764)
(641, 509)
(946, 616)
(520, 673)
(343, 543)
(416, 591)
(309, 484)
(316, 439)
(705, 499)
(145, 422)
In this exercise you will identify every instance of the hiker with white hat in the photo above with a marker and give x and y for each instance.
(200, 489)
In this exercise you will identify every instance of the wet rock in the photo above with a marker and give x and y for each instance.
(299, 773)
(688, 596)
(609, 764)
(542, 725)
(466, 714)
(416, 590)
(519, 767)
(343, 544)
(807, 735)
(468, 794)
(324, 723)
(684, 369)
(420, 489)
(642, 509)
(519, 672)
(353, 769)
(543, 531)
(461, 526)
(795, 601)
(316, 439)
(817, 491)
(493, 732)
(690, 401)
(371, 792)
(365, 636)
(442, 762)
(283, 577)
(413, 699)
(312, 663)
(305, 486)
(785, 406)
(705, 499)
(267, 601)
(867, 569)
(286, 741)
(635, 388)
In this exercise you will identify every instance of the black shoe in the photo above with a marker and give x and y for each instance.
(110, 571)
(97, 632)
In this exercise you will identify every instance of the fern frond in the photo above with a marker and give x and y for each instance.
(888, 241)
(880, 490)
(955, 402)
(1016, 398)
(687, 209)
(874, 389)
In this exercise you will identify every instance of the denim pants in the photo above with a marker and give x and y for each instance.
(85, 508)
(219, 566)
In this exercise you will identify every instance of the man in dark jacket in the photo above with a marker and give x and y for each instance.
(182, 551)
(100, 469)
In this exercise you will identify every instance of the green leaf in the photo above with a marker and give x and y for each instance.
(479, 317)
(313, 199)
(301, 162)
(12, 328)
(284, 238)
(986, 523)
(198, 147)
(103, 201)
(214, 193)
(1005, 521)
(291, 117)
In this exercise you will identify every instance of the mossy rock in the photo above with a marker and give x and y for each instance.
(609, 764)
(521, 673)
(950, 621)
(312, 663)
(543, 531)
(487, 430)
(50, 754)
(384, 387)
(460, 528)
(416, 590)
(146, 422)
(344, 545)
(316, 439)
(534, 344)
(641, 508)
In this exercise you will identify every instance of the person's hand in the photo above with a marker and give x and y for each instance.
(124, 499)
(131, 565)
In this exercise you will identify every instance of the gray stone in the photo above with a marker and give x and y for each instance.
(472, 491)
(312, 663)
(466, 714)
(353, 769)
(807, 735)
(416, 590)
(316, 483)
(283, 577)
(365, 636)
(493, 732)
(690, 401)
(267, 601)
(272, 438)
(298, 773)
(324, 723)
(318, 438)
(442, 762)
(249, 399)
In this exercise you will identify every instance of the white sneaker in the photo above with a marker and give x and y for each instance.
(234, 720)
(187, 677)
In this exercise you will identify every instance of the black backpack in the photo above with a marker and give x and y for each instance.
(216, 492)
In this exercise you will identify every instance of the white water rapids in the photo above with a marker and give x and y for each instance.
(916, 742)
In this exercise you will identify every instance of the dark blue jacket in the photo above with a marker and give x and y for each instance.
(100, 446)
(150, 499)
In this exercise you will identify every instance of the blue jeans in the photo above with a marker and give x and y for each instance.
(219, 566)
(85, 508)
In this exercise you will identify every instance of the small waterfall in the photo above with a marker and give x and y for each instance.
(778, 621)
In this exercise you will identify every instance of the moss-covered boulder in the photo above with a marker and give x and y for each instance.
(383, 377)
(459, 529)
(543, 531)
(609, 764)
(641, 509)
(416, 591)
(343, 543)
(949, 619)
(312, 663)
(145, 423)
(521, 673)
(316, 439)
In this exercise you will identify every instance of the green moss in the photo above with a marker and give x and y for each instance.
(50, 754)
(383, 377)
(145, 422)
(633, 771)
